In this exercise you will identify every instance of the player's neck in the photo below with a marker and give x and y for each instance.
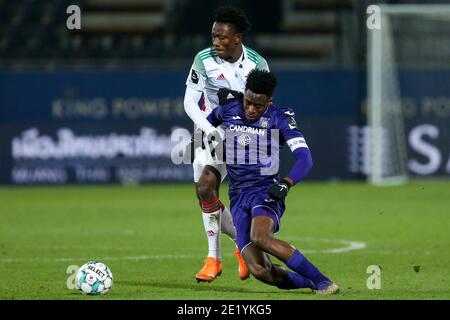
(236, 55)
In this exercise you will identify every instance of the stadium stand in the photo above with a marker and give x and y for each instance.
(118, 31)
(139, 33)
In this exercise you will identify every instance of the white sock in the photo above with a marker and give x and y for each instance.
(227, 225)
(211, 222)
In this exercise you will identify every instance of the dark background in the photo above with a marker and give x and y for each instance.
(125, 72)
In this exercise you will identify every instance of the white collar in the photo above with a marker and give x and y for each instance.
(238, 61)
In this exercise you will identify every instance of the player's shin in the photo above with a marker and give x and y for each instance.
(304, 267)
(293, 280)
(211, 222)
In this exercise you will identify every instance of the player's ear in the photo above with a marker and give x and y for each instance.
(237, 38)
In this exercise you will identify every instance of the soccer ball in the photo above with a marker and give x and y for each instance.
(94, 278)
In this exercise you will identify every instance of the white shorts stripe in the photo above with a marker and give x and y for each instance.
(245, 246)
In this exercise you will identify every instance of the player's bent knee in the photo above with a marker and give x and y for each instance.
(261, 242)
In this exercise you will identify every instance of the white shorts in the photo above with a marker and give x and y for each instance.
(203, 158)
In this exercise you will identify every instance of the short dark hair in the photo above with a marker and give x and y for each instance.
(261, 82)
(234, 16)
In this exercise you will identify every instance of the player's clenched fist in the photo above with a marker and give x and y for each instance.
(279, 190)
(227, 95)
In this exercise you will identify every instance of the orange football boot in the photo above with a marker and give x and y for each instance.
(211, 270)
(243, 270)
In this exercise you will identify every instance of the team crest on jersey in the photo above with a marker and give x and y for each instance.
(244, 140)
(264, 122)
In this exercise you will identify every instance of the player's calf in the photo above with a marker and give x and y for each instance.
(207, 185)
(205, 192)
(262, 273)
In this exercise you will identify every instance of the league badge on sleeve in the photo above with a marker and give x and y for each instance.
(194, 76)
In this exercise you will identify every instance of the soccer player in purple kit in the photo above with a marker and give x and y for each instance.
(257, 197)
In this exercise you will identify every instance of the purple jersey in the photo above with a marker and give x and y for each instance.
(253, 147)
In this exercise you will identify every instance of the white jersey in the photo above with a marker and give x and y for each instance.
(209, 73)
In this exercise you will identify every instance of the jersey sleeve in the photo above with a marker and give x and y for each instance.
(216, 116)
(262, 65)
(197, 75)
(289, 131)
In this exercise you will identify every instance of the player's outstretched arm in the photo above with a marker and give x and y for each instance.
(191, 98)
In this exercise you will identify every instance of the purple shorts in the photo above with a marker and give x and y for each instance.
(249, 204)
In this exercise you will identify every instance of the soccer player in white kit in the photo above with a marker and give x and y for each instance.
(225, 64)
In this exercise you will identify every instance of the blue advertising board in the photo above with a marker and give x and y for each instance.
(115, 126)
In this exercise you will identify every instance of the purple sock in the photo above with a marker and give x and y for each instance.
(301, 265)
(295, 281)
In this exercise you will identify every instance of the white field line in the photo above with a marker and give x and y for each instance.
(59, 247)
(69, 259)
(347, 245)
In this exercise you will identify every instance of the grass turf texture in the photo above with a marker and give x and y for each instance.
(152, 238)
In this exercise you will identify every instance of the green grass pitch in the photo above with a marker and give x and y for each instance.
(152, 239)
